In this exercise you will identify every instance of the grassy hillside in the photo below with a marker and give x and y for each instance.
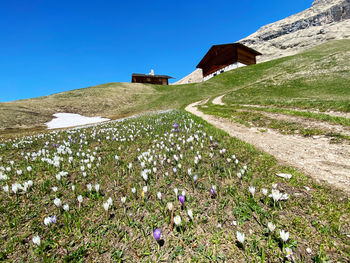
(56, 187)
(318, 78)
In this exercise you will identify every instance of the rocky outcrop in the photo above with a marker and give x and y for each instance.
(323, 21)
(195, 77)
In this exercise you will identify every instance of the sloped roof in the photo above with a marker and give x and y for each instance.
(151, 76)
(237, 45)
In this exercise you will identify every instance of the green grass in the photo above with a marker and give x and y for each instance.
(318, 78)
(318, 219)
(251, 116)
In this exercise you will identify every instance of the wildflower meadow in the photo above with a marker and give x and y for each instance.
(161, 188)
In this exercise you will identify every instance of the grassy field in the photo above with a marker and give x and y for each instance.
(222, 182)
(318, 78)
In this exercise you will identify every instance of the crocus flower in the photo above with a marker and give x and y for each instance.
(176, 191)
(57, 202)
(133, 190)
(177, 220)
(252, 190)
(271, 226)
(80, 199)
(175, 125)
(212, 190)
(106, 206)
(123, 199)
(97, 187)
(190, 213)
(110, 201)
(156, 234)
(289, 252)
(284, 235)
(264, 191)
(36, 240)
(159, 195)
(170, 206)
(240, 237)
(66, 207)
(182, 199)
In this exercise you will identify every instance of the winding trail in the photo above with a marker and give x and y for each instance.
(316, 157)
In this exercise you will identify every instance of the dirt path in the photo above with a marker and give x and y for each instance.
(218, 100)
(316, 157)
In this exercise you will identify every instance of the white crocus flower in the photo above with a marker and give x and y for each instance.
(110, 201)
(89, 187)
(5, 188)
(106, 206)
(176, 191)
(97, 187)
(54, 189)
(145, 189)
(66, 207)
(159, 195)
(123, 199)
(170, 206)
(177, 220)
(133, 190)
(271, 226)
(80, 199)
(57, 202)
(36, 240)
(240, 237)
(252, 190)
(276, 195)
(284, 235)
(264, 191)
(190, 213)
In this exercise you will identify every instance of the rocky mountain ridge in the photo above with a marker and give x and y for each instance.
(324, 20)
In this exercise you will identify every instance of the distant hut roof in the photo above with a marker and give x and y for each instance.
(215, 48)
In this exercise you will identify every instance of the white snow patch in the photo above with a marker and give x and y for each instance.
(65, 120)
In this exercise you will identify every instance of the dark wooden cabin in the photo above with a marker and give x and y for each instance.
(220, 58)
(151, 79)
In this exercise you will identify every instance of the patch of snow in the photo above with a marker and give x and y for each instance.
(65, 120)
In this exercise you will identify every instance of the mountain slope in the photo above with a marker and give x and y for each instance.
(115, 100)
(324, 20)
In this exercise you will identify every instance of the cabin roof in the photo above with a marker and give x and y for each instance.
(211, 51)
(151, 76)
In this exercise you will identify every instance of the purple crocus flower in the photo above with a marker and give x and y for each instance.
(212, 191)
(182, 199)
(53, 219)
(156, 234)
(175, 126)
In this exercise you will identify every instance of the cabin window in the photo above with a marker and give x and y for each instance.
(221, 71)
(215, 74)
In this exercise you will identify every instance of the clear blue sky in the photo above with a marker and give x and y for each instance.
(51, 46)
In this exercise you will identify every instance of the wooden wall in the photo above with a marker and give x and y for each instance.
(150, 80)
(222, 57)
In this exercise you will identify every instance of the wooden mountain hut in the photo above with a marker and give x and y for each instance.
(150, 78)
(222, 58)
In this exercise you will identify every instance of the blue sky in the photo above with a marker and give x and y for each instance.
(51, 46)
